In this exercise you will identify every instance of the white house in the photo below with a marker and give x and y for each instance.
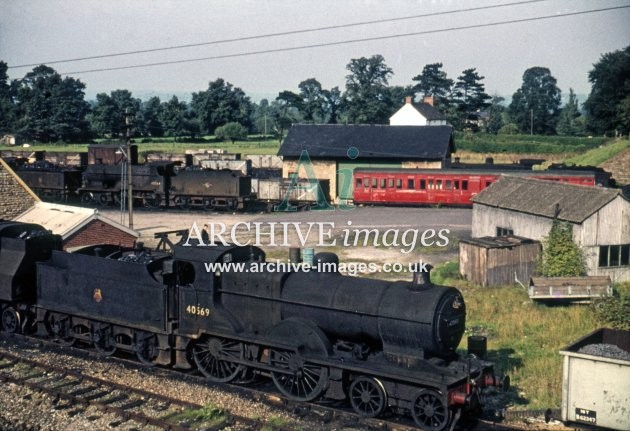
(421, 114)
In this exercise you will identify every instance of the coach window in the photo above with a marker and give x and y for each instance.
(366, 183)
(410, 184)
(390, 183)
(383, 183)
(423, 184)
(398, 183)
(438, 184)
(430, 185)
(374, 183)
(464, 184)
(448, 184)
(359, 183)
(456, 184)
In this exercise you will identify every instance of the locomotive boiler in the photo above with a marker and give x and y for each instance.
(378, 344)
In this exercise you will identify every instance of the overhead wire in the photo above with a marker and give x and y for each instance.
(283, 33)
(348, 41)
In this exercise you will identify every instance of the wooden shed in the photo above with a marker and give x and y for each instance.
(501, 260)
(569, 289)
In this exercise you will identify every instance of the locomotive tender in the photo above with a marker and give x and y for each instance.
(379, 344)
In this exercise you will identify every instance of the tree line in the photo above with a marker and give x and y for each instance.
(43, 106)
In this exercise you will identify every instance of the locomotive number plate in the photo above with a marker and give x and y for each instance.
(198, 310)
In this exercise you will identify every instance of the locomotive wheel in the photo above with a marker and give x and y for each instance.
(429, 410)
(367, 397)
(103, 340)
(59, 328)
(215, 358)
(10, 320)
(87, 198)
(208, 204)
(146, 347)
(183, 202)
(297, 378)
(154, 201)
(103, 199)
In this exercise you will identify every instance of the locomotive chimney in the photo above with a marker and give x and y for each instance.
(422, 279)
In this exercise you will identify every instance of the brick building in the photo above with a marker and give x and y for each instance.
(78, 227)
(15, 196)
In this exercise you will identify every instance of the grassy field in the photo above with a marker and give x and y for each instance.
(471, 147)
(600, 154)
(523, 337)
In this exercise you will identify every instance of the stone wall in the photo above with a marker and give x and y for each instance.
(15, 196)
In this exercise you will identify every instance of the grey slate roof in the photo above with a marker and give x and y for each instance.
(372, 141)
(540, 197)
(429, 112)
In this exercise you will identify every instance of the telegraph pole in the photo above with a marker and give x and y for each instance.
(128, 150)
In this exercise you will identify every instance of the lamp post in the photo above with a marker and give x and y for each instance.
(128, 151)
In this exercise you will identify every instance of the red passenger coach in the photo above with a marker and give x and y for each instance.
(442, 186)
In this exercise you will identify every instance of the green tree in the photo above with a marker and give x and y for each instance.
(496, 111)
(232, 131)
(536, 105)
(6, 102)
(108, 113)
(51, 108)
(221, 103)
(561, 257)
(150, 122)
(366, 98)
(608, 103)
(569, 121)
(470, 97)
(173, 117)
(313, 103)
(432, 81)
(284, 112)
(333, 100)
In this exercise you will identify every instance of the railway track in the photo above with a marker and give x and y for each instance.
(76, 391)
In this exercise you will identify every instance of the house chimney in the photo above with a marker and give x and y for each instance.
(428, 100)
(408, 100)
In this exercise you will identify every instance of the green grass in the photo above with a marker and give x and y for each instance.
(525, 144)
(600, 154)
(206, 417)
(523, 338)
(254, 145)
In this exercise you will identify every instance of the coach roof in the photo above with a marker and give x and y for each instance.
(371, 141)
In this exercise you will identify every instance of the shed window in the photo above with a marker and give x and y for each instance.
(614, 255)
(504, 231)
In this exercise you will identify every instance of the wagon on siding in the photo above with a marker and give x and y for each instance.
(596, 380)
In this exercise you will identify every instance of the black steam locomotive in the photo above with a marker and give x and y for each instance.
(380, 345)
